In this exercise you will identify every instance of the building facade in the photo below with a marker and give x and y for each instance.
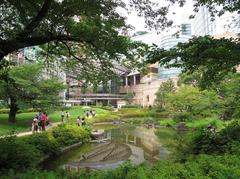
(145, 86)
(203, 24)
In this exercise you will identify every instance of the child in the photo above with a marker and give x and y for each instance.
(67, 115)
(35, 125)
(62, 116)
(83, 121)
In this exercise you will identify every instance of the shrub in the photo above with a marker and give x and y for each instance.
(204, 166)
(182, 117)
(69, 134)
(28, 110)
(4, 111)
(44, 142)
(207, 142)
(132, 106)
(17, 154)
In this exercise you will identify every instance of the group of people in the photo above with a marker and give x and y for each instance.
(41, 119)
(87, 114)
(40, 122)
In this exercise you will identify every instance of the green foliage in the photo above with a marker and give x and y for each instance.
(229, 90)
(21, 153)
(182, 117)
(67, 134)
(204, 141)
(191, 100)
(44, 142)
(132, 106)
(164, 89)
(203, 167)
(35, 90)
(4, 111)
(17, 154)
(23, 91)
(129, 97)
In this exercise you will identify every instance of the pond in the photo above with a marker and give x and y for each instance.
(125, 142)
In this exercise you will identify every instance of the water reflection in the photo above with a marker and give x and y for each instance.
(140, 137)
(143, 142)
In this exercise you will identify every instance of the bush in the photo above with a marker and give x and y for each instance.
(4, 111)
(28, 110)
(17, 154)
(44, 142)
(132, 106)
(69, 134)
(207, 142)
(182, 117)
(203, 167)
(108, 108)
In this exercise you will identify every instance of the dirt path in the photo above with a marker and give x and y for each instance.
(30, 132)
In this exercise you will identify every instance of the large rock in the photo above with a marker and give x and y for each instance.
(181, 126)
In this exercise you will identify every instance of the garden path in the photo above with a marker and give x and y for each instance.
(30, 132)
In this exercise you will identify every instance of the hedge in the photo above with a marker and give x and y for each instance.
(21, 153)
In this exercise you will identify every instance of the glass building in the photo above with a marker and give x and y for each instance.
(169, 41)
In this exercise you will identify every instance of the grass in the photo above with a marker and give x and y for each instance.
(24, 120)
(204, 122)
(130, 115)
(23, 123)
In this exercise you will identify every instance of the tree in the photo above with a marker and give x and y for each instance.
(94, 24)
(97, 25)
(229, 90)
(189, 99)
(212, 59)
(161, 95)
(22, 90)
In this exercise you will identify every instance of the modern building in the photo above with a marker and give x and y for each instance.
(17, 57)
(145, 86)
(203, 24)
(108, 92)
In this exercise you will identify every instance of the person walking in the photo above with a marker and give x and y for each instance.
(39, 118)
(35, 125)
(78, 121)
(47, 121)
(87, 114)
(44, 120)
(62, 116)
(67, 115)
(83, 121)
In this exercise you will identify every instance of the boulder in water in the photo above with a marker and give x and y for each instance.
(181, 126)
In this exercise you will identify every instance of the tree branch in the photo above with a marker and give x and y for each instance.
(70, 52)
(9, 46)
(36, 20)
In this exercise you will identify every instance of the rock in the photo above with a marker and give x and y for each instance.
(181, 126)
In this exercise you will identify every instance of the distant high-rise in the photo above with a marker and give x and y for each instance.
(186, 29)
(170, 40)
(203, 24)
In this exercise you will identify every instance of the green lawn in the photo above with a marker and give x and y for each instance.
(132, 115)
(24, 120)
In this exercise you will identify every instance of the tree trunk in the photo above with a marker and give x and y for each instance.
(1, 56)
(13, 111)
